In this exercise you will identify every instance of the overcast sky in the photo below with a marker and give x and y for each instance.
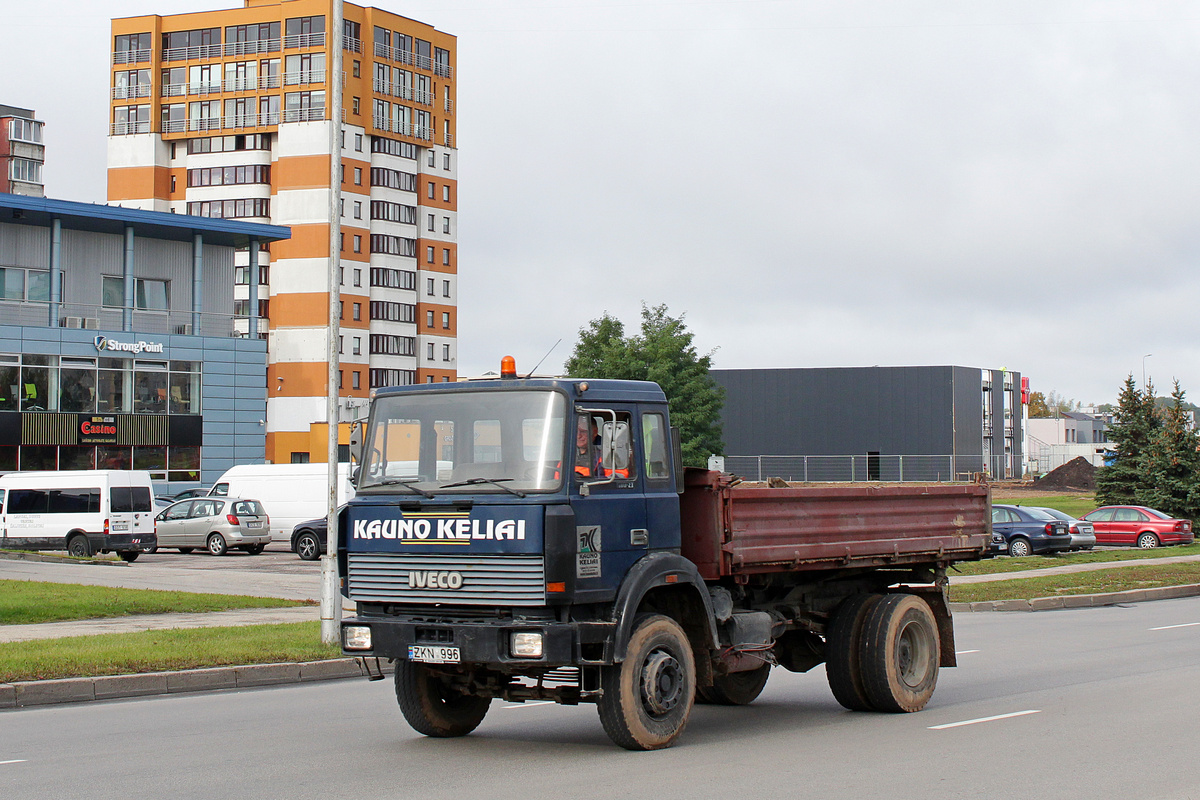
(998, 184)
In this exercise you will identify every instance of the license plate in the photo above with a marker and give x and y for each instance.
(433, 655)
(120, 526)
(253, 524)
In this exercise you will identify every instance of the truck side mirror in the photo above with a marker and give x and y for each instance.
(356, 442)
(677, 458)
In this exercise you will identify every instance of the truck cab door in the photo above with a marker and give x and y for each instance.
(608, 501)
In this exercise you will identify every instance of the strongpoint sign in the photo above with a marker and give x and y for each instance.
(105, 344)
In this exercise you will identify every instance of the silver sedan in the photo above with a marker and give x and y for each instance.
(217, 524)
(1083, 535)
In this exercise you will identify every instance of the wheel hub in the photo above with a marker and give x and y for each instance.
(662, 682)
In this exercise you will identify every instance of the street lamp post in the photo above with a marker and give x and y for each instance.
(1144, 368)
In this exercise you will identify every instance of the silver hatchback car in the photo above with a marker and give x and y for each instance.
(217, 524)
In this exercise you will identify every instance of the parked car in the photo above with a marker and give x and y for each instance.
(1138, 526)
(1027, 530)
(1083, 535)
(218, 524)
(188, 494)
(308, 538)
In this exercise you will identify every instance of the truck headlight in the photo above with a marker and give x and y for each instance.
(527, 645)
(356, 637)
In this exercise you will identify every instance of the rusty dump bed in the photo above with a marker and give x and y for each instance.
(736, 529)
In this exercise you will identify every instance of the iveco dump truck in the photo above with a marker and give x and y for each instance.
(539, 539)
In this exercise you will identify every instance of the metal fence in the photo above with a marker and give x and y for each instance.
(873, 468)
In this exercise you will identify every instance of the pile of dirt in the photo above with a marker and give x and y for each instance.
(1078, 473)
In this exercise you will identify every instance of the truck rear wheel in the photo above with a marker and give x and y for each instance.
(648, 697)
(434, 708)
(843, 660)
(900, 653)
(736, 688)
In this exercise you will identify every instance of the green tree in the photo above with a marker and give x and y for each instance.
(1037, 406)
(662, 352)
(1172, 463)
(1124, 480)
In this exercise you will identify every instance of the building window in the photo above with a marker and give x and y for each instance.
(432, 157)
(358, 176)
(358, 311)
(445, 352)
(341, 345)
(446, 320)
(445, 288)
(432, 190)
(148, 295)
(429, 351)
(357, 244)
(357, 103)
(429, 379)
(358, 142)
(357, 69)
(356, 376)
(393, 245)
(358, 208)
(446, 256)
(358, 277)
(446, 161)
(445, 224)
(429, 254)
(446, 193)
(357, 349)
(300, 458)
(429, 222)
(429, 320)
(20, 284)
(429, 286)
(339, 379)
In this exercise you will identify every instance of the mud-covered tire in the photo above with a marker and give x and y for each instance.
(843, 643)
(128, 556)
(900, 653)
(432, 707)
(78, 546)
(648, 697)
(736, 688)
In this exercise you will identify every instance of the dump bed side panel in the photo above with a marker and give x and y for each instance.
(739, 529)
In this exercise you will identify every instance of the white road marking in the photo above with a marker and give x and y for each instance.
(532, 703)
(15, 761)
(1168, 627)
(982, 719)
(964, 652)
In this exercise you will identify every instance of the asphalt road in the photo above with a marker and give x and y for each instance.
(1096, 703)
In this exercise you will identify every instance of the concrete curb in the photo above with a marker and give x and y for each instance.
(21, 555)
(1082, 600)
(22, 694)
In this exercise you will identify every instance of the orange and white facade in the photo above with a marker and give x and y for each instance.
(228, 114)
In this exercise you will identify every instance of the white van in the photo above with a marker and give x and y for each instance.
(80, 511)
(290, 493)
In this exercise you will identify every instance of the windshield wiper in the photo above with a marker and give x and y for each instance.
(494, 481)
(407, 483)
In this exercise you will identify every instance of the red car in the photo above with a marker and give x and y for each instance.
(1139, 526)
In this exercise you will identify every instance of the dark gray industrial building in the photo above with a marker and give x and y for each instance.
(872, 423)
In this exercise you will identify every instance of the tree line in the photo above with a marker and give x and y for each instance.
(1156, 454)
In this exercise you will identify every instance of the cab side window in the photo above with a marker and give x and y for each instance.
(604, 447)
(654, 447)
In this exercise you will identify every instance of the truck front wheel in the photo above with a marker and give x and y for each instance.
(900, 653)
(433, 707)
(648, 697)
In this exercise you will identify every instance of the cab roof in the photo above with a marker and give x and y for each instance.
(597, 389)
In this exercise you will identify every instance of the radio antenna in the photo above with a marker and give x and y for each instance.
(548, 352)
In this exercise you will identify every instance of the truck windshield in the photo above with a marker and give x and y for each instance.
(484, 441)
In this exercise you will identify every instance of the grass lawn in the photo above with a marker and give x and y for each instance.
(26, 602)
(1074, 504)
(155, 651)
(991, 566)
(1099, 581)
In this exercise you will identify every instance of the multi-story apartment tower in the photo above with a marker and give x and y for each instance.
(227, 113)
(22, 152)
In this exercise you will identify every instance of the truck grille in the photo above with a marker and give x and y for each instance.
(485, 580)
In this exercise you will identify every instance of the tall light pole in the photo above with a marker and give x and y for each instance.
(1144, 369)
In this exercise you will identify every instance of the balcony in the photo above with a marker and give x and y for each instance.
(442, 70)
(131, 56)
(174, 89)
(302, 40)
(303, 77)
(268, 81)
(202, 52)
(204, 87)
(423, 132)
(448, 140)
(250, 48)
(127, 92)
(304, 114)
(241, 83)
(422, 97)
(351, 44)
(449, 106)
(128, 128)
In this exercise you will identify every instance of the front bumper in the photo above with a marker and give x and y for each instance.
(488, 641)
